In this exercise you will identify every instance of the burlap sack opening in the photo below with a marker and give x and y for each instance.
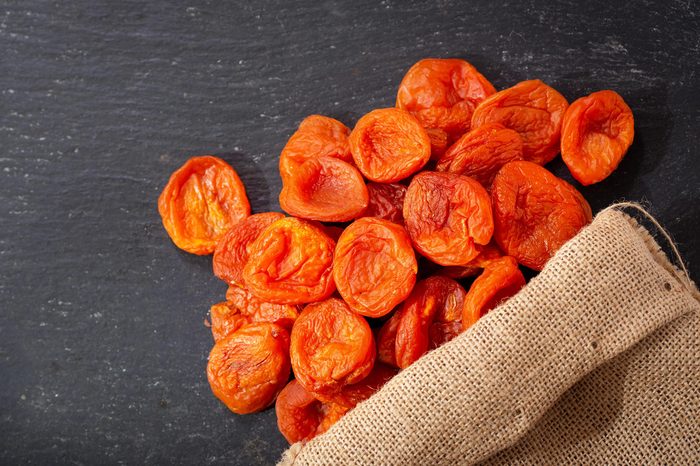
(595, 361)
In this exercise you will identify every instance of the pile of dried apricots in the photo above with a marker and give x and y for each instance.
(452, 179)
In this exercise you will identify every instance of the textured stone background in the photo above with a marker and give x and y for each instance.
(102, 342)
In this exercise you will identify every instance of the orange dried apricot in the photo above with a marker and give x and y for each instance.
(353, 394)
(226, 319)
(385, 201)
(386, 340)
(439, 142)
(475, 266)
(436, 295)
(481, 152)
(299, 414)
(597, 131)
(535, 212)
(317, 136)
(331, 346)
(233, 249)
(203, 199)
(442, 93)
(291, 262)
(531, 108)
(248, 368)
(375, 266)
(325, 189)
(389, 145)
(500, 280)
(255, 310)
(447, 216)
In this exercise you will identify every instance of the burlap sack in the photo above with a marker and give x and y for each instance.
(595, 361)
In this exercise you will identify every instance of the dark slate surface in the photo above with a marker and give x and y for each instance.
(102, 342)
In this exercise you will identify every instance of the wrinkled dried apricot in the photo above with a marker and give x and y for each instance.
(442, 93)
(432, 297)
(375, 266)
(332, 413)
(202, 200)
(255, 310)
(447, 216)
(325, 189)
(299, 414)
(597, 131)
(248, 368)
(481, 152)
(386, 340)
(535, 212)
(389, 145)
(331, 346)
(226, 319)
(500, 280)
(447, 322)
(291, 262)
(233, 249)
(531, 108)
(439, 142)
(475, 266)
(351, 395)
(385, 201)
(317, 136)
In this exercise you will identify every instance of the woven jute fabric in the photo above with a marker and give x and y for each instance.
(596, 360)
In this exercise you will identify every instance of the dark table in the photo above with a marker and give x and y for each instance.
(102, 339)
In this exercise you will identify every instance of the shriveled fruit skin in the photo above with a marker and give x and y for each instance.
(256, 310)
(225, 320)
(486, 254)
(535, 212)
(317, 136)
(388, 145)
(375, 267)
(439, 142)
(233, 249)
(597, 131)
(500, 280)
(443, 93)
(433, 305)
(291, 262)
(353, 394)
(386, 201)
(386, 340)
(247, 369)
(448, 216)
(325, 189)
(531, 108)
(203, 199)
(299, 414)
(331, 347)
(481, 152)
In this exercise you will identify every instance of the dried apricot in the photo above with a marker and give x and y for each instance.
(255, 310)
(535, 212)
(291, 262)
(299, 414)
(325, 189)
(331, 347)
(447, 322)
(375, 266)
(531, 108)
(226, 319)
(447, 216)
(481, 152)
(500, 280)
(475, 266)
(439, 142)
(332, 413)
(385, 201)
(233, 249)
(202, 200)
(597, 131)
(386, 340)
(248, 368)
(432, 297)
(351, 395)
(389, 145)
(317, 136)
(442, 93)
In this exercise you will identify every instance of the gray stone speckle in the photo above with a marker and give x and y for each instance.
(102, 346)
